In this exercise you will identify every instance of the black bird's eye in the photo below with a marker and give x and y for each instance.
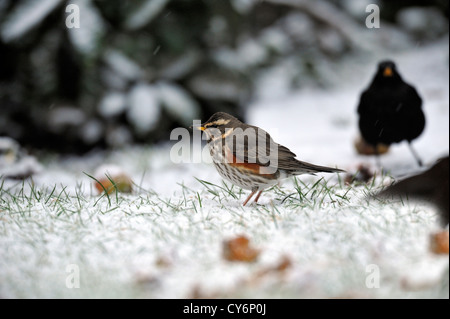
(214, 126)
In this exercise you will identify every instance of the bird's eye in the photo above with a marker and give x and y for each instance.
(214, 126)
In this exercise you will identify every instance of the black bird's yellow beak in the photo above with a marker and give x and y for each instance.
(387, 72)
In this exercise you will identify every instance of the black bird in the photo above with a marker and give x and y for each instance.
(430, 185)
(390, 110)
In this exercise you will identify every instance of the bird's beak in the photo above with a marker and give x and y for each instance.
(200, 128)
(387, 72)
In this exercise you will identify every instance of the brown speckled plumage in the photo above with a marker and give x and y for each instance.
(248, 157)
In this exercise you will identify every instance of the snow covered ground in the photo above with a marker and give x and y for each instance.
(58, 238)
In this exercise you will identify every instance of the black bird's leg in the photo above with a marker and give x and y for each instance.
(377, 158)
(419, 161)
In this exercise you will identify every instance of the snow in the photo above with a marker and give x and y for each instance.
(92, 131)
(119, 136)
(14, 161)
(122, 65)
(91, 28)
(112, 104)
(357, 8)
(145, 13)
(66, 115)
(179, 68)
(275, 39)
(144, 107)
(177, 102)
(243, 6)
(119, 242)
(27, 15)
(248, 54)
(300, 26)
(428, 21)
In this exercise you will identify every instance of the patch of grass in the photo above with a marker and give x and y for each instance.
(310, 219)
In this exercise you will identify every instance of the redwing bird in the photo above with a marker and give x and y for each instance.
(430, 185)
(390, 110)
(247, 156)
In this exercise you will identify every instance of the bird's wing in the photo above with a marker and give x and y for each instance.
(251, 145)
(365, 101)
(412, 97)
(265, 152)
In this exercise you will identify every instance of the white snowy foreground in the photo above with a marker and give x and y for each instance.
(60, 239)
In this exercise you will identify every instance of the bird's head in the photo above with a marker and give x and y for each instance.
(387, 75)
(218, 124)
(387, 69)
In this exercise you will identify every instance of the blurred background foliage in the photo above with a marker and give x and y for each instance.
(134, 70)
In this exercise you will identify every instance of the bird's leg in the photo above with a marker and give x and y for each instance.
(257, 196)
(250, 196)
(377, 158)
(419, 161)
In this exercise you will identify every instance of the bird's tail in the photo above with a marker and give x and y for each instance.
(308, 168)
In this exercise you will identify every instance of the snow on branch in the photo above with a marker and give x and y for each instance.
(329, 14)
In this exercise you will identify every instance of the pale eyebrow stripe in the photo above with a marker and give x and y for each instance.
(218, 122)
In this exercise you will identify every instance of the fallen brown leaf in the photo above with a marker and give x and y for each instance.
(238, 249)
(439, 242)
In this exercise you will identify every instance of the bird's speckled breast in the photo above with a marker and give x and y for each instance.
(237, 175)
